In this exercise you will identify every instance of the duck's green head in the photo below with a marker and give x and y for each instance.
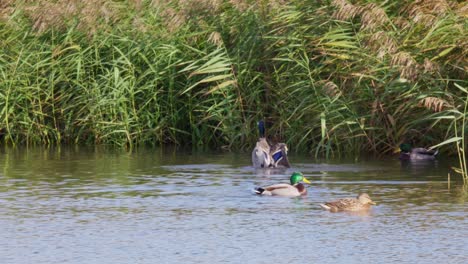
(297, 177)
(405, 147)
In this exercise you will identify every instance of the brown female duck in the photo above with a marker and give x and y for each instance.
(362, 202)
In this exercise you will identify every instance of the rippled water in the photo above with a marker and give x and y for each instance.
(90, 206)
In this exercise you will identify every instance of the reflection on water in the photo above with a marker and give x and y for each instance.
(153, 206)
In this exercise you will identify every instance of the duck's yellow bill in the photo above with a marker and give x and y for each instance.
(305, 180)
(373, 203)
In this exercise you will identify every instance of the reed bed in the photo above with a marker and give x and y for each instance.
(331, 78)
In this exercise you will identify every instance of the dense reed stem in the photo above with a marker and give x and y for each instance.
(332, 78)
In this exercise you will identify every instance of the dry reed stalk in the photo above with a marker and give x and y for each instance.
(382, 43)
(434, 103)
(240, 5)
(408, 66)
(427, 20)
(46, 15)
(216, 39)
(189, 7)
(137, 5)
(345, 10)
(139, 24)
(377, 109)
(372, 17)
(426, 12)
(94, 10)
(462, 9)
(5, 3)
(55, 15)
(173, 19)
(430, 67)
(178, 13)
(330, 88)
(6, 9)
(401, 22)
(277, 4)
(435, 7)
(243, 5)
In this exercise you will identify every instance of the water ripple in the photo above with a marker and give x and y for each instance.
(146, 209)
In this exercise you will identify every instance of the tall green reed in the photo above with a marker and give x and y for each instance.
(458, 122)
(331, 79)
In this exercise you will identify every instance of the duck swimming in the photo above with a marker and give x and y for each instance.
(265, 155)
(409, 153)
(296, 188)
(362, 202)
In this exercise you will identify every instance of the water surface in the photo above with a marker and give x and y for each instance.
(153, 206)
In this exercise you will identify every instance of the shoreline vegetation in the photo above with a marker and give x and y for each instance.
(331, 78)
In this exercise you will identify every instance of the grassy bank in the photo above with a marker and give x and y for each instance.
(329, 77)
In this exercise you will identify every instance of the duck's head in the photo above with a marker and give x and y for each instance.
(297, 177)
(261, 128)
(365, 199)
(405, 147)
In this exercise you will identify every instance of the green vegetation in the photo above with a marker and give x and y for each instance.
(329, 77)
(459, 120)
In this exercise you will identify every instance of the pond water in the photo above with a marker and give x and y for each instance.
(154, 206)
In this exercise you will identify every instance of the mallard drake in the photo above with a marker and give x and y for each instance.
(362, 202)
(265, 155)
(296, 188)
(409, 153)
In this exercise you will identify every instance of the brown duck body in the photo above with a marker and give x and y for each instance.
(362, 202)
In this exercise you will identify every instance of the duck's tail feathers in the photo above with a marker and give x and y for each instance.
(259, 190)
(326, 207)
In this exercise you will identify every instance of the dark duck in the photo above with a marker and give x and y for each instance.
(409, 153)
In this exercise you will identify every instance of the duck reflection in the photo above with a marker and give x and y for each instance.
(419, 167)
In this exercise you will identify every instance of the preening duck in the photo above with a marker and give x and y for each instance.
(265, 155)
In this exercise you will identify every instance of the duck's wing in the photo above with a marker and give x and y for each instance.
(281, 189)
(423, 154)
(342, 204)
(277, 186)
(424, 151)
(279, 155)
(260, 158)
(261, 154)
